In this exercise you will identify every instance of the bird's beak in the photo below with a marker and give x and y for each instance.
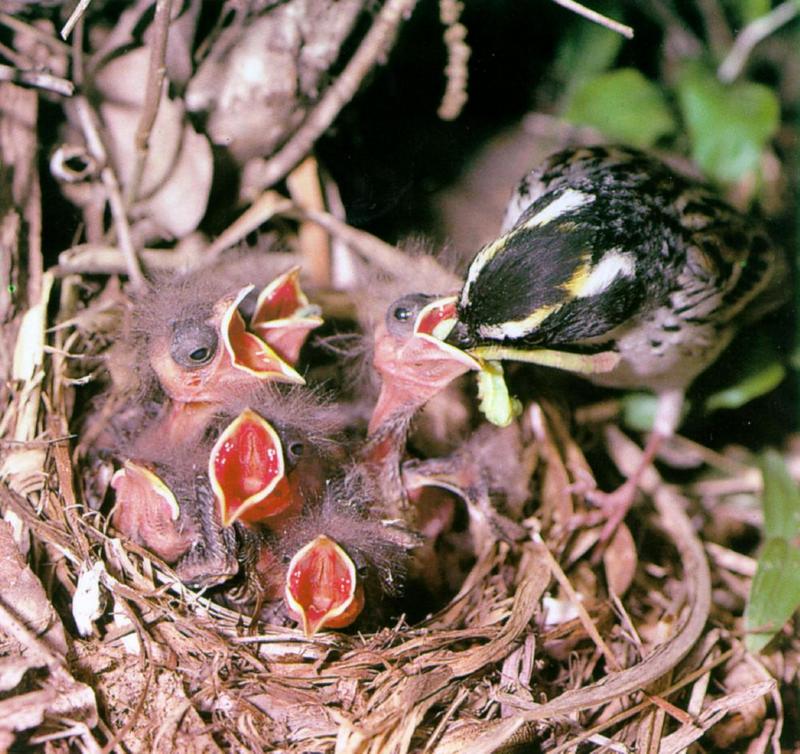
(283, 317)
(416, 368)
(247, 351)
(147, 511)
(322, 588)
(138, 482)
(247, 473)
(435, 322)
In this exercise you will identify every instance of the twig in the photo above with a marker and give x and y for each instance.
(37, 79)
(156, 71)
(36, 443)
(46, 39)
(109, 178)
(379, 253)
(751, 35)
(17, 628)
(583, 615)
(305, 188)
(718, 32)
(76, 15)
(269, 204)
(102, 259)
(374, 47)
(121, 35)
(598, 18)
(689, 627)
(634, 710)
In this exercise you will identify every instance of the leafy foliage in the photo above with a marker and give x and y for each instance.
(729, 125)
(625, 106)
(775, 590)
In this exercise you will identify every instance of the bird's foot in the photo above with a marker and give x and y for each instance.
(614, 506)
(611, 508)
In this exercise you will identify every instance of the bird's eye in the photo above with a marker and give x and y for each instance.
(199, 355)
(296, 449)
(194, 344)
(402, 313)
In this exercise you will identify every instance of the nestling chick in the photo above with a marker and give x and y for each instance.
(614, 266)
(164, 502)
(343, 562)
(188, 335)
(414, 365)
(191, 500)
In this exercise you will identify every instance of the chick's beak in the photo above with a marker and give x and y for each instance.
(322, 588)
(283, 317)
(247, 472)
(416, 368)
(147, 511)
(248, 352)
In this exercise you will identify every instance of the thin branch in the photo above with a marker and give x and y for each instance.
(458, 53)
(596, 17)
(375, 46)
(156, 72)
(109, 178)
(37, 79)
(269, 204)
(718, 31)
(583, 614)
(751, 35)
(75, 16)
(49, 40)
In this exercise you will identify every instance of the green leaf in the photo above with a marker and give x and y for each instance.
(624, 105)
(780, 499)
(639, 411)
(774, 593)
(759, 381)
(586, 49)
(729, 125)
(749, 10)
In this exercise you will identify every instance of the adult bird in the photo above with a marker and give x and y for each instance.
(612, 265)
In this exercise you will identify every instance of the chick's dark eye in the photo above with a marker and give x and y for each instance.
(199, 355)
(402, 313)
(194, 344)
(296, 449)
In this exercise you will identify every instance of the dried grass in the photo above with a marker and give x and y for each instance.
(534, 652)
(494, 668)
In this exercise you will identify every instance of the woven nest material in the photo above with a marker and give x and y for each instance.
(533, 648)
(540, 648)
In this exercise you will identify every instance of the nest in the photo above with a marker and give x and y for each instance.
(534, 647)
(539, 649)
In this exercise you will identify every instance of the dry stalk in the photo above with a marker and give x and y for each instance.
(374, 48)
(156, 72)
(596, 17)
(91, 132)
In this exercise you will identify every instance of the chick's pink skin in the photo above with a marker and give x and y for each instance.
(242, 360)
(415, 367)
(146, 511)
